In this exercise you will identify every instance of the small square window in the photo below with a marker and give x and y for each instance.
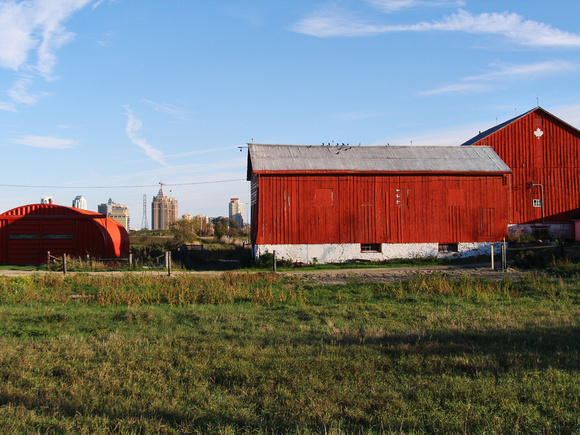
(448, 247)
(537, 203)
(370, 247)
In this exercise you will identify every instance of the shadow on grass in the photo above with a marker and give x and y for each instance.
(460, 354)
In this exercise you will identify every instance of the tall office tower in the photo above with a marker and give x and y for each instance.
(80, 202)
(237, 212)
(119, 212)
(163, 211)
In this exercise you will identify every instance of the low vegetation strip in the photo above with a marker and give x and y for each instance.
(263, 353)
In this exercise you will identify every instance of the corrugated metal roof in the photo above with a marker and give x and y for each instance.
(266, 158)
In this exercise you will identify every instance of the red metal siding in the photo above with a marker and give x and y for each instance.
(358, 208)
(27, 233)
(550, 158)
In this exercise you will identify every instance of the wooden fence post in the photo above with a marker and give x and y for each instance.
(64, 264)
(503, 257)
(274, 262)
(48, 260)
(168, 261)
(492, 259)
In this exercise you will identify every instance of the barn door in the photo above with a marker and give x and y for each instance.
(451, 231)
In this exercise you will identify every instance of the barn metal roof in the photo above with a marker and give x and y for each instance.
(347, 158)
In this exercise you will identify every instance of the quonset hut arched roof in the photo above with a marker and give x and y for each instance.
(28, 232)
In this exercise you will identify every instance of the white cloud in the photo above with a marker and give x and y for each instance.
(529, 70)
(7, 107)
(334, 22)
(19, 92)
(132, 128)
(395, 5)
(168, 109)
(34, 25)
(31, 33)
(479, 83)
(46, 142)
(458, 87)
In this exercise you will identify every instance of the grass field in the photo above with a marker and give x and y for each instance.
(259, 353)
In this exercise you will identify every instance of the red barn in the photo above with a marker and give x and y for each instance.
(27, 233)
(337, 203)
(544, 155)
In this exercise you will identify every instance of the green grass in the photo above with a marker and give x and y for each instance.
(259, 353)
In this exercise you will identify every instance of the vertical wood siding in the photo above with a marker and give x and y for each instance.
(314, 209)
(551, 159)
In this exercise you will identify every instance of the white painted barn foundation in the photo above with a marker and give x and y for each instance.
(341, 253)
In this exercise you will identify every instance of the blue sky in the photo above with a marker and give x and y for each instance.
(106, 98)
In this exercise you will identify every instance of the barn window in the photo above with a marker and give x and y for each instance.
(323, 197)
(448, 247)
(24, 236)
(537, 203)
(370, 247)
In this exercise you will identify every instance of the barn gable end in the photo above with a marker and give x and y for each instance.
(544, 154)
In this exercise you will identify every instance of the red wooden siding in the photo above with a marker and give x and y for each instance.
(551, 159)
(359, 208)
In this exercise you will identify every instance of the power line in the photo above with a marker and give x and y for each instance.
(120, 187)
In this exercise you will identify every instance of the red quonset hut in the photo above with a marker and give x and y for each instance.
(27, 233)
(339, 203)
(544, 154)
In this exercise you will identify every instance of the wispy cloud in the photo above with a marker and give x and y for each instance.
(20, 93)
(168, 109)
(132, 128)
(35, 25)
(31, 33)
(456, 88)
(334, 22)
(396, 5)
(55, 143)
(7, 106)
(529, 70)
(482, 82)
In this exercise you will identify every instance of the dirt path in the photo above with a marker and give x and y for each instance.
(337, 276)
(394, 274)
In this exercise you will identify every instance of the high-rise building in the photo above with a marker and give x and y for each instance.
(46, 200)
(80, 202)
(163, 211)
(116, 211)
(237, 212)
